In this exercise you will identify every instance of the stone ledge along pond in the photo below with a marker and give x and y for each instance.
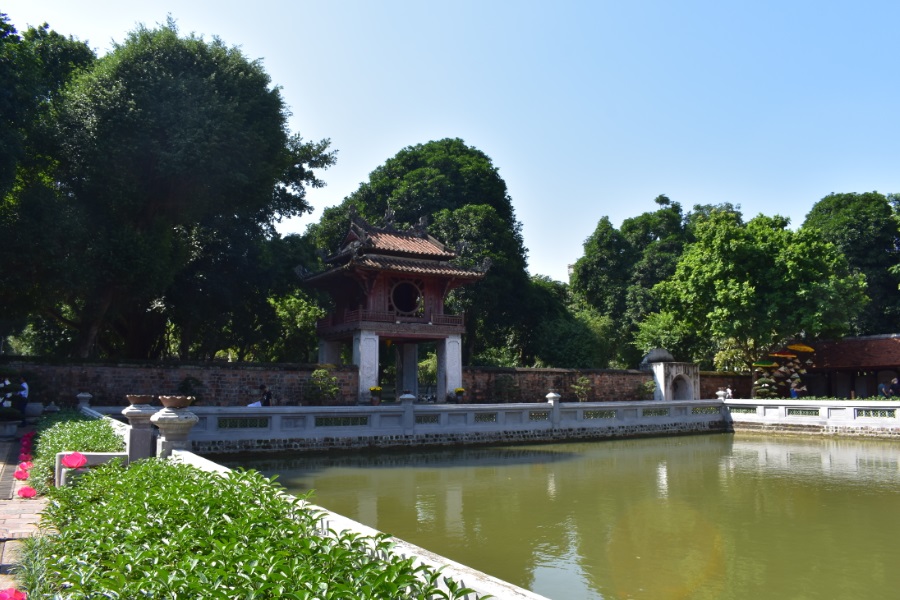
(725, 516)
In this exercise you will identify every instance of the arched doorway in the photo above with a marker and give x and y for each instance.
(682, 388)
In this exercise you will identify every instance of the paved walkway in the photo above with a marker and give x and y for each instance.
(18, 516)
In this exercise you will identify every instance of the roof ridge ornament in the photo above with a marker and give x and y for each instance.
(420, 228)
(389, 217)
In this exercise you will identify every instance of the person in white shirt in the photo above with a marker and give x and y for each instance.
(20, 400)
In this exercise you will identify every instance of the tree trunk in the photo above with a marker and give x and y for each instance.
(94, 316)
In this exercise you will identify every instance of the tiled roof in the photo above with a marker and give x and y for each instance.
(413, 266)
(410, 266)
(874, 352)
(381, 241)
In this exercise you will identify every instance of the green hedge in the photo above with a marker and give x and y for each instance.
(64, 431)
(159, 529)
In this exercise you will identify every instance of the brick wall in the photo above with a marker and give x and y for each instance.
(237, 384)
(220, 384)
(487, 385)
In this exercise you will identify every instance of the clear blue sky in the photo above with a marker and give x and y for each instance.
(588, 109)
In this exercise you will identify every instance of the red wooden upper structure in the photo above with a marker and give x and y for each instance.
(392, 283)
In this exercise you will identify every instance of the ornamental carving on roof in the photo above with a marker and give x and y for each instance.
(386, 248)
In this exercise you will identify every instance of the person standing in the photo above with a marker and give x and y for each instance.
(265, 396)
(20, 398)
(895, 388)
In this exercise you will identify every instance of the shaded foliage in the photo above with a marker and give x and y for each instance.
(176, 239)
(750, 288)
(865, 229)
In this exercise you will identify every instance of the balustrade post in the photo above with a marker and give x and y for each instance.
(140, 434)
(174, 426)
(553, 400)
(409, 414)
(84, 400)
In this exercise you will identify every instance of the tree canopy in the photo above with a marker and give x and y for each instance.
(460, 189)
(751, 288)
(865, 228)
(171, 160)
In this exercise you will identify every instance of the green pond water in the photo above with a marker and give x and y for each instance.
(701, 517)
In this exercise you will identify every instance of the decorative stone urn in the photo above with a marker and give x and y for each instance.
(176, 401)
(140, 398)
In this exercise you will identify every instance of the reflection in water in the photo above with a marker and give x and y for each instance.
(702, 517)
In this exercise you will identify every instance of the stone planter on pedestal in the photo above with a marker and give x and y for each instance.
(135, 399)
(176, 401)
(174, 426)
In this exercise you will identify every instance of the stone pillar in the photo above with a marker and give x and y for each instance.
(329, 352)
(84, 400)
(174, 426)
(553, 401)
(449, 366)
(409, 369)
(440, 391)
(365, 356)
(140, 435)
(409, 413)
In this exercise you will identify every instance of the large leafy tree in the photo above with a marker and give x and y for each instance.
(620, 267)
(462, 191)
(566, 333)
(174, 158)
(864, 227)
(750, 288)
(34, 67)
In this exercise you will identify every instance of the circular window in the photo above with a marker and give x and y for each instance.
(405, 297)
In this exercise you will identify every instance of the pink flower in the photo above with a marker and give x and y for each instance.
(23, 457)
(26, 466)
(75, 460)
(12, 594)
(21, 474)
(26, 491)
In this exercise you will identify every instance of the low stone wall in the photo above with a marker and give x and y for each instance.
(212, 448)
(854, 418)
(221, 430)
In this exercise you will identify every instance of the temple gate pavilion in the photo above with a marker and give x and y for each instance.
(390, 286)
